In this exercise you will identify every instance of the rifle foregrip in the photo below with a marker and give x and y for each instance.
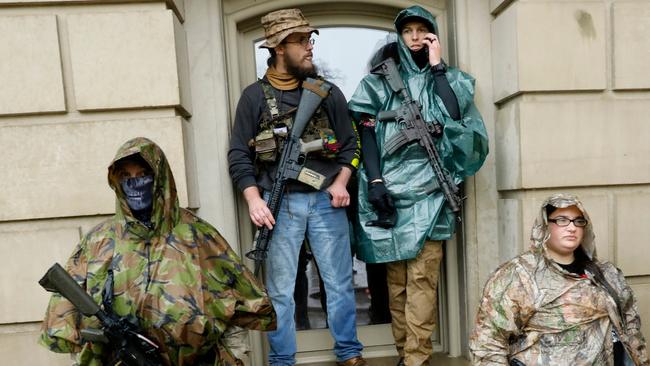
(56, 279)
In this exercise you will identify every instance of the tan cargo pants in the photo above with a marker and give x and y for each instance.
(413, 302)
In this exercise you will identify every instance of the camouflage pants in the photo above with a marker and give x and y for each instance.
(412, 288)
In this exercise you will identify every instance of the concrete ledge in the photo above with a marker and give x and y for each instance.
(32, 81)
(178, 6)
(566, 51)
(124, 60)
(631, 45)
(573, 142)
(20, 348)
(632, 218)
(63, 173)
(21, 297)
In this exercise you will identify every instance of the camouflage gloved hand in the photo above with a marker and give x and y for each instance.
(381, 200)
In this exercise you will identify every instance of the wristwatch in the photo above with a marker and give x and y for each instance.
(439, 67)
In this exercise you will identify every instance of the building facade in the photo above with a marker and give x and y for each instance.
(563, 86)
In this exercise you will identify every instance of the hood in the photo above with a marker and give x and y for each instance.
(540, 233)
(413, 13)
(165, 211)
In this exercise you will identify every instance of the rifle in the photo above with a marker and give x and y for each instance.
(414, 128)
(130, 347)
(292, 162)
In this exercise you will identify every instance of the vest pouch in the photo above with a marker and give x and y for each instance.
(266, 146)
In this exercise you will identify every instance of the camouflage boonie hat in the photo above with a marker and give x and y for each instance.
(281, 23)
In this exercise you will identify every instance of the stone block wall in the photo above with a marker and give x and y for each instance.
(571, 82)
(79, 78)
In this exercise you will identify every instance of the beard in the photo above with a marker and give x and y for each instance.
(298, 71)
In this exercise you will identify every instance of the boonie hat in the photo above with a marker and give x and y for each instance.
(281, 23)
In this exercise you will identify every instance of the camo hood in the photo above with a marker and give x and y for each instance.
(538, 313)
(165, 211)
(179, 281)
(540, 233)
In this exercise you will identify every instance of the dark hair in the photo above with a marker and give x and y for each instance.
(273, 57)
(134, 159)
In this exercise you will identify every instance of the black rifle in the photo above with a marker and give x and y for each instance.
(124, 338)
(292, 162)
(414, 128)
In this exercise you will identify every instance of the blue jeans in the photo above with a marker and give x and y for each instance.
(327, 230)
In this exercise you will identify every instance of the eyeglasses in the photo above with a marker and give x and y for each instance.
(563, 221)
(303, 41)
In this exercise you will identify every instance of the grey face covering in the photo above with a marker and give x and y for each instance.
(139, 193)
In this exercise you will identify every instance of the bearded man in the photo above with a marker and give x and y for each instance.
(263, 119)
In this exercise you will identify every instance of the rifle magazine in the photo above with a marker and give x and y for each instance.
(312, 178)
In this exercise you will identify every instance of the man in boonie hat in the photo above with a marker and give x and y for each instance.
(263, 119)
(288, 39)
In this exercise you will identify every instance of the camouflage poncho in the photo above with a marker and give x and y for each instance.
(180, 281)
(422, 212)
(535, 311)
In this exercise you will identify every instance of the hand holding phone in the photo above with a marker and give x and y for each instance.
(433, 48)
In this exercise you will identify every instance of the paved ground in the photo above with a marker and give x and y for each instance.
(439, 359)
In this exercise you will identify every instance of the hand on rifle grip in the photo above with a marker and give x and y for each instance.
(436, 130)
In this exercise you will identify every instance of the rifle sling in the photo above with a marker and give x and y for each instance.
(315, 87)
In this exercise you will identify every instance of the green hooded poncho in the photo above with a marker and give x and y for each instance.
(180, 281)
(421, 210)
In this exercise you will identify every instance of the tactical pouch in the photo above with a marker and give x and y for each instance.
(266, 146)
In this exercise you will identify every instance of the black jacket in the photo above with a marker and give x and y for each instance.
(252, 104)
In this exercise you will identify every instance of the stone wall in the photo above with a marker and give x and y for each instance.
(79, 78)
(572, 86)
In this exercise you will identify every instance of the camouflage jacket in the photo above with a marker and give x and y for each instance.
(180, 280)
(535, 311)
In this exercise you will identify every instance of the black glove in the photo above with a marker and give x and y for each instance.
(380, 199)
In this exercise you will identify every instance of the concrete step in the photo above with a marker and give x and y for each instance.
(438, 359)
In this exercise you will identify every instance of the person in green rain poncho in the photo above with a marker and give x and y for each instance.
(172, 274)
(402, 185)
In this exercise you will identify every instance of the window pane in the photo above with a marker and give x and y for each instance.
(340, 60)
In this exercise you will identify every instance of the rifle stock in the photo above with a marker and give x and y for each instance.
(130, 347)
(414, 128)
(291, 164)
